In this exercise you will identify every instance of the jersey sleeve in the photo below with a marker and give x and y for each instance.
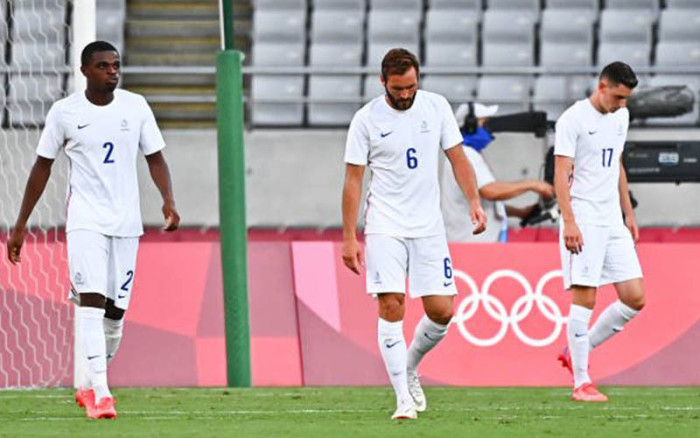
(357, 143)
(52, 137)
(481, 169)
(450, 135)
(566, 137)
(151, 139)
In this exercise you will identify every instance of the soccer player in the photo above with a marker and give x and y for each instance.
(597, 229)
(101, 130)
(398, 135)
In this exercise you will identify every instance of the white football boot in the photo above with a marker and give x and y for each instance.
(405, 409)
(416, 392)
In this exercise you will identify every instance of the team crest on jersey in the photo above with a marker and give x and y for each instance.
(424, 127)
(377, 279)
(620, 129)
(125, 125)
(78, 279)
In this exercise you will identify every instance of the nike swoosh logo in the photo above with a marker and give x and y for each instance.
(93, 357)
(83, 126)
(392, 345)
(382, 134)
(121, 296)
(616, 330)
(447, 284)
(578, 335)
(426, 335)
(591, 132)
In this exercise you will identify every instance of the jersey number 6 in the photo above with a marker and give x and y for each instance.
(411, 159)
(110, 147)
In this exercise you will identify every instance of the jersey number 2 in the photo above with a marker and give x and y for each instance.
(130, 276)
(110, 147)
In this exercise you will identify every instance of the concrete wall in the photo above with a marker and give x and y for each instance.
(295, 178)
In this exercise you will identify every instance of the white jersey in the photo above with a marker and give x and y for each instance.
(455, 206)
(401, 149)
(595, 141)
(102, 143)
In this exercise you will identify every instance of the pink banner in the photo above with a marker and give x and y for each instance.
(511, 322)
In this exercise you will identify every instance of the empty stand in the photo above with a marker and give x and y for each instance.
(509, 92)
(566, 37)
(554, 94)
(390, 29)
(508, 39)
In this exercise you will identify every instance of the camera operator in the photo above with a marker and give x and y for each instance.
(471, 118)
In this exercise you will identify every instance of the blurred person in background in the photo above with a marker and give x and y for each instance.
(476, 137)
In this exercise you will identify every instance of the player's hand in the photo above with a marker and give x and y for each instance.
(14, 245)
(172, 219)
(352, 255)
(478, 218)
(544, 189)
(631, 224)
(573, 239)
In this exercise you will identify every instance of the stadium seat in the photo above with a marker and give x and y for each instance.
(372, 87)
(693, 82)
(510, 93)
(531, 8)
(337, 26)
(591, 5)
(46, 87)
(626, 26)
(554, 94)
(508, 39)
(341, 5)
(277, 87)
(456, 88)
(473, 7)
(336, 40)
(566, 37)
(682, 4)
(680, 25)
(451, 38)
(674, 53)
(390, 29)
(46, 54)
(396, 5)
(276, 5)
(625, 35)
(111, 16)
(650, 5)
(333, 87)
(27, 113)
(279, 26)
(278, 54)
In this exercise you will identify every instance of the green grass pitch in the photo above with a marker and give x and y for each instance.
(356, 413)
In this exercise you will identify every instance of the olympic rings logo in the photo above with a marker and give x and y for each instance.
(520, 310)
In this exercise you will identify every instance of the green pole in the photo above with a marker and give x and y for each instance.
(232, 210)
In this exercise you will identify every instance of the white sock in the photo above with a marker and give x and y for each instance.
(113, 329)
(611, 322)
(577, 333)
(94, 350)
(427, 335)
(393, 348)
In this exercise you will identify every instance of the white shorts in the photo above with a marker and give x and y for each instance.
(102, 264)
(426, 260)
(608, 256)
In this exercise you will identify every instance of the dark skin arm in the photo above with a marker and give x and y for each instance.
(36, 183)
(161, 177)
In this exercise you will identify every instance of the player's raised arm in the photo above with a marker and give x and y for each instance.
(626, 203)
(563, 169)
(36, 183)
(352, 191)
(161, 177)
(464, 174)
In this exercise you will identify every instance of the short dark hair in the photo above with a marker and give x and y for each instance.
(620, 73)
(397, 62)
(93, 47)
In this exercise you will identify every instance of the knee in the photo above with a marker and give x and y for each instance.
(636, 303)
(112, 311)
(391, 310)
(92, 300)
(441, 316)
